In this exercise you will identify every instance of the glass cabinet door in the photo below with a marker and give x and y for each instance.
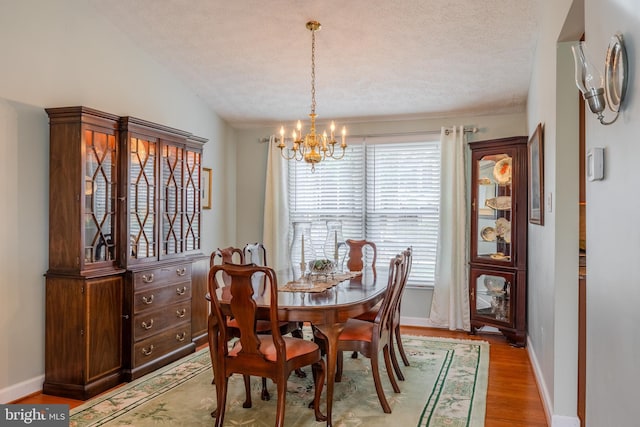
(493, 296)
(192, 201)
(142, 199)
(493, 210)
(99, 196)
(172, 175)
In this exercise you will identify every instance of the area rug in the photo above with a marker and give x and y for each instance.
(445, 385)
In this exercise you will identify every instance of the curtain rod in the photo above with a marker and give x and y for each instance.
(376, 135)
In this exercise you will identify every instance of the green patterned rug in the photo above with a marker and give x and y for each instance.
(445, 385)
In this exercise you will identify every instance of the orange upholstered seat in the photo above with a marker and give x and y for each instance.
(294, 347)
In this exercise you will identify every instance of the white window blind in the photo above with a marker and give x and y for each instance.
(386, 190)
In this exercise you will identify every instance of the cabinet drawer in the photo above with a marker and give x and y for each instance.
(162, 275)
(153, 298)
(160, 344)
(151, 322)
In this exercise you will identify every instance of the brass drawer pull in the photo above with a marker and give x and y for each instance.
(181, 313)
(147, 279)
(147, 326)
(147, 300)
(147, 351)
(181, 271)
(181, 336)
(181, 291)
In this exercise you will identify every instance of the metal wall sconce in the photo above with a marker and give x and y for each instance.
(597, 91)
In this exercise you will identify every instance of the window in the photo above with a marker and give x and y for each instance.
(386, 190)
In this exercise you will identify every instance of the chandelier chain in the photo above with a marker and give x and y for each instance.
(313, 71)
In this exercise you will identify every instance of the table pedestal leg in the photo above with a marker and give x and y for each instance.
(332, 332)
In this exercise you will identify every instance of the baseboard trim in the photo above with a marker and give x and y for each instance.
(414, 321)
(547, 404)
(563, 421)
(20, 390)
(542, 385)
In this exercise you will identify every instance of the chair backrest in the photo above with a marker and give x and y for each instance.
(384, 318)
(229, 255)
(407, 254)
(256, 254)
(244, 309)
(356, 254)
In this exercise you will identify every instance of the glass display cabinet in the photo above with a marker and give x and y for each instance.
(159, 230)
(498, 246)
(124, 250)
(83, 283)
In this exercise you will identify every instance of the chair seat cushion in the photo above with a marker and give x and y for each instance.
(357, 330)
(370, 315)
(294, 347)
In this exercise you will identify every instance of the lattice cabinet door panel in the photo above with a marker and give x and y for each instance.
(173, 200)
(139, 189)
(193, 200)
(99, 197)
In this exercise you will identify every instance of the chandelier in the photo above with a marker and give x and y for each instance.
(312, 147)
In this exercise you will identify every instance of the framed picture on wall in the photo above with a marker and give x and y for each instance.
(536, 176)
(206, 188)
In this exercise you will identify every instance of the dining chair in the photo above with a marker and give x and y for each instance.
(371, 338)
(356, 254)
(256, 253)
(358, 251)
(233, 255)
(371, 315)
(272, 356)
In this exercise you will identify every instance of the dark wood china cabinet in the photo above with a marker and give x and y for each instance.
(498, 258)
(124, 250)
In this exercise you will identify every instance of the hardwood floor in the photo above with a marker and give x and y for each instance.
(512, 395)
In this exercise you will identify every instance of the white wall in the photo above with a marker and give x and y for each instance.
(613, 343)
(613, 233)
(252, 159)
(58, 54)
(553, 248)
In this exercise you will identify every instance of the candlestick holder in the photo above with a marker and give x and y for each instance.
(334, 244)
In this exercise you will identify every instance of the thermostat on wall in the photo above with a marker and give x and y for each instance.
(595, 164)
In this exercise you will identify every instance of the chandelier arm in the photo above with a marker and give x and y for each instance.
(328, 151)
(285, 156)
(341, 156)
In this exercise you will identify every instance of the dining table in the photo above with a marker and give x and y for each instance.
(326, 309)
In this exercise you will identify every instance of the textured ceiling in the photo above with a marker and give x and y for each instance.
(250, 60)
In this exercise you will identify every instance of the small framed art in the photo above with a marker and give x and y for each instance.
(206, 188)
(536, 176)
